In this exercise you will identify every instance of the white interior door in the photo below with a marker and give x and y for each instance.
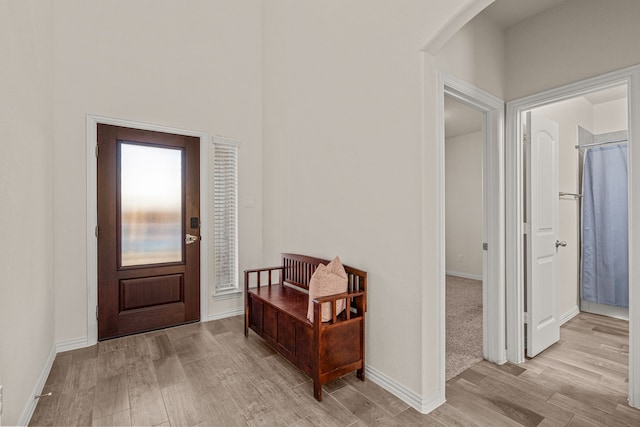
(543, 328)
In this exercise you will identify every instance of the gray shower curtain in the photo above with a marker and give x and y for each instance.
(605, 246)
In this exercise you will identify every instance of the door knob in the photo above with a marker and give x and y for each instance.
(190, 238)
(559, 243)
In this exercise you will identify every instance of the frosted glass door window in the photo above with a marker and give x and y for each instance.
(150, 204)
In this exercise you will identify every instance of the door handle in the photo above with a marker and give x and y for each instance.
(559, 243)
(190, 238)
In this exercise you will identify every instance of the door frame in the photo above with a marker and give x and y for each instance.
(92, 212)
(515, 208)
(493, 295)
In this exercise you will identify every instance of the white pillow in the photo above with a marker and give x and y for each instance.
(327, 280)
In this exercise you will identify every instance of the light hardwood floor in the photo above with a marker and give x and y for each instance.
(210, 374)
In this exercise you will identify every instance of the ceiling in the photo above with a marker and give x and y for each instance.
(606, 95)
(506, 13)
(460, 119)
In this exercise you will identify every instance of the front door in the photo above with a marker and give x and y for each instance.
(543, 328)
(148, 230)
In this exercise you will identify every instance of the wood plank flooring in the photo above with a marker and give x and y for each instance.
(210, 374)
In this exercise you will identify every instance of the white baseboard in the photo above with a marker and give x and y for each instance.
(401, 392)
(605, 310)
(565, 317)
(82, 342)
(72, 344)
(30, 406)
(464, 275)
(217, 316)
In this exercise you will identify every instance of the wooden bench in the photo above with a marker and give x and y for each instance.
(277, 312)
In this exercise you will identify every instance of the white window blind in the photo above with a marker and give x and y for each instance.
(225, 214)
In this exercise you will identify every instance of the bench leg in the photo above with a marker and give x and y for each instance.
(317, 390)
(360, 374)
(246, 322)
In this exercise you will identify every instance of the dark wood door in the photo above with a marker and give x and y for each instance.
(148, 230)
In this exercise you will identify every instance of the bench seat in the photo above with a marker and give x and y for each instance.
(282, 297)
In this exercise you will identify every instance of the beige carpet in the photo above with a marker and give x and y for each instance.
(464, 324)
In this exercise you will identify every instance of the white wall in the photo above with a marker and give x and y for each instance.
(463, 180)
(571, 42)
(344, 161)
(569, 115)
(26, 194)
(192, 65)
(475, 54)
(611, 116)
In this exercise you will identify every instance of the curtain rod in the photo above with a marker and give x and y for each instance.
(594, 144)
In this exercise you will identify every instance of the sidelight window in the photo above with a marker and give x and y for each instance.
(225, 215)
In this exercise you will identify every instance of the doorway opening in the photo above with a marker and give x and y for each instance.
(597, 101)
(493, 219)
(464, 236)
(584, 211)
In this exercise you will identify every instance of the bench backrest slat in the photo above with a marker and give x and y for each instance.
(299, 269)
